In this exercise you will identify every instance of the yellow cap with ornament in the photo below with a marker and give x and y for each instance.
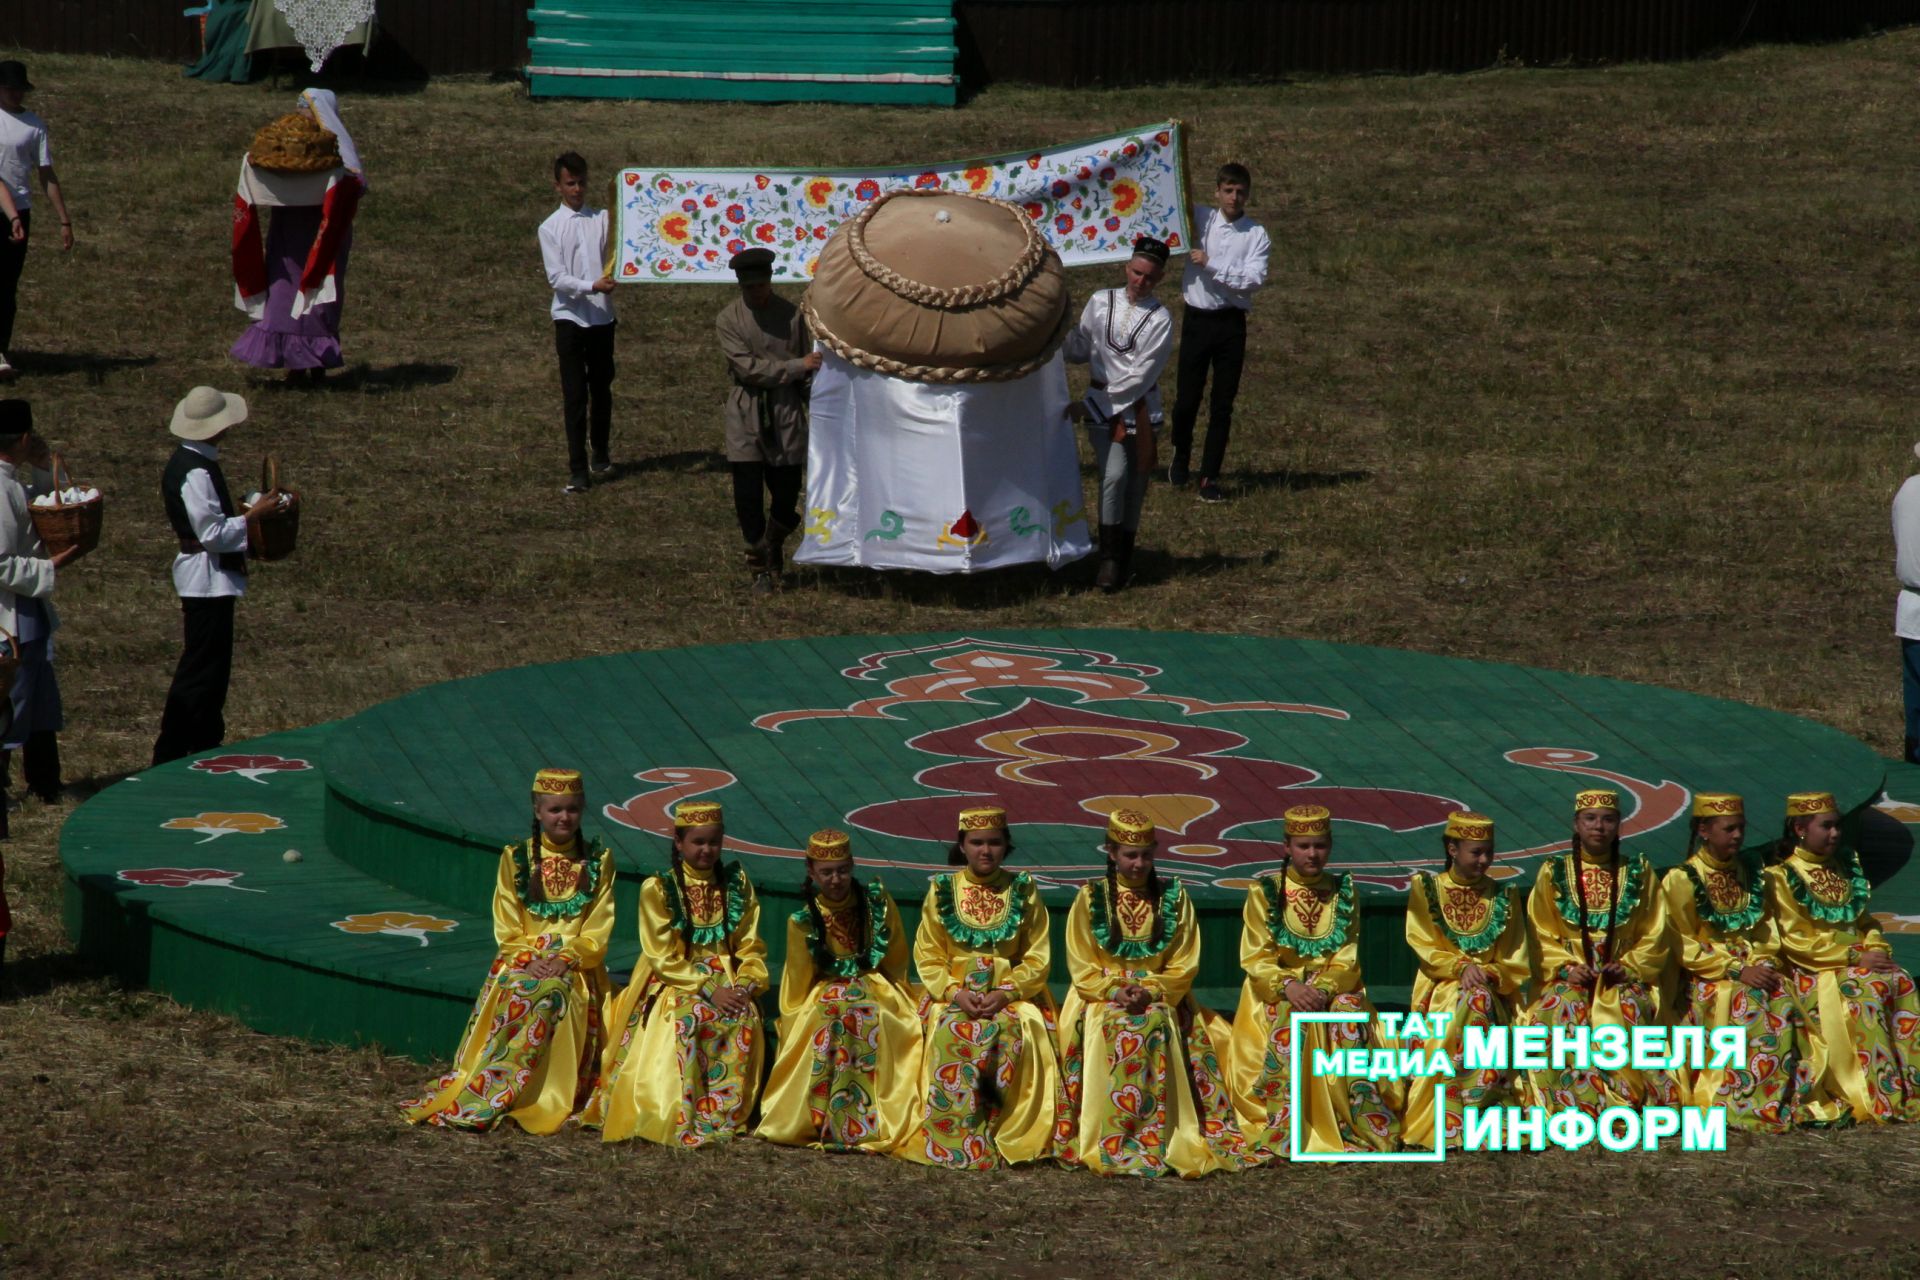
(986, 817)
(1130, 827)
(830, 844)
(558, 782)
(696, 813)
(1604, 799)
(1309, 820)
(1806, 804)
(1718, 804)
(1465, 825)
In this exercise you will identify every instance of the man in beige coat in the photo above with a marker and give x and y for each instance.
(770, 358)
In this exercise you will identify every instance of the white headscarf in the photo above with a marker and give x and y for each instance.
(326, 109)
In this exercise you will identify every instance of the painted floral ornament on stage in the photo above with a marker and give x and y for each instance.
(186, 878)
(398, 924)
(254, 768)
(215, 825)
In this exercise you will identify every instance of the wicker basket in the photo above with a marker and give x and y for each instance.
(272, 534)
(68, 524)
(295, 143)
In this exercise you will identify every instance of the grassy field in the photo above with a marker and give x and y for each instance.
(1608, 371)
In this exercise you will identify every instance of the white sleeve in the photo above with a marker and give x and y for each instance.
(1079, 347)
(23, 575)
(1250, 272)
(46, 152)
(554, 256)
(216, 532)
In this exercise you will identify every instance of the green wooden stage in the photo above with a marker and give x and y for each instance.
(380, 931)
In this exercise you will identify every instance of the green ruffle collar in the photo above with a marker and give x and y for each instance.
(1502, 907)
(972, 936)
(879, 938)
(1311, 948)
(707, 935)
(1860, 894)
(1637, 873)
(1100, 917)
(565, 908)
(1745, 916)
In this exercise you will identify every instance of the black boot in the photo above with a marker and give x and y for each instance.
(40, 765)
(776, 547)
(1108, 579)
(1126, 558)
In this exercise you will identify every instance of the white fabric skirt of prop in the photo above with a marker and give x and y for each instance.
(944, 478)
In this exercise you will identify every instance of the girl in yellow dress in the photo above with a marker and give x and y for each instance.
(991, 1086)
(1862, 1014)
(1144, 1091)
(531, 1051)
(686, 1068)
(1469, 938)
(1601, 928)
(848, 1073)
(1726, 951)
(1300, 946)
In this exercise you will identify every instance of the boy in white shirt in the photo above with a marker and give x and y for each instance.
(573, 245)
(1227, 264)
(23, 152)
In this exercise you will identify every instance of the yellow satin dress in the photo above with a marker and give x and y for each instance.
(1452, 923)
(1313, 937)
(847, 1077)
(1627, 891)
(531, 1050)
(990, 1087)
(1145, 1092)
(1718, 919)
(680, 1071)
(1862, 1028)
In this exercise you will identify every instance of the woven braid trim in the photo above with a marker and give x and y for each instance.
(937, 373)
(960, 296)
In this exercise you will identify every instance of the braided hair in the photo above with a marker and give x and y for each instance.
(1788, 842)
(810, 894)
(1155, 887)
(686, 902)
(1613, 897)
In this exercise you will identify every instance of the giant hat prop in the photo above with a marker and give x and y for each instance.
(940, 286)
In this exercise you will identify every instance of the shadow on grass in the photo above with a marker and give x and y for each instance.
(1293, 481)
(368, 379)
(1885, 845)
(993, 589)
(1151, 566)
(56, 363)
(40, 974)
(685, 460)
(80, 790)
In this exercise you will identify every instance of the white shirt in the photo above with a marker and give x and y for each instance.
(197, 573)
(25, 569)
(573, 245)
(1906, 559)
(23, 150)
(1124, 346)
(1236, 262)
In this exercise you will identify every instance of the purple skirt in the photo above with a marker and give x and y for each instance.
(277, 340)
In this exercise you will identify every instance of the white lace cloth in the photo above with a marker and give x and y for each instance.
(321, 26)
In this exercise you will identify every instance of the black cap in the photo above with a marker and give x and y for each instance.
(1148, 247)
(752, 266)
(16, 417)
(13, 75)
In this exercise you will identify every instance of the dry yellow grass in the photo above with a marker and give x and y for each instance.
(1607, 371)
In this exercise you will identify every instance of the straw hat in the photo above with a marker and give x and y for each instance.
(940, 286)
(205, 413)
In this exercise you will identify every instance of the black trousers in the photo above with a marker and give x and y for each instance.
(13, 256)
(586, 389)
(39, 767)
(1217, 341)
(782, 485)
(195, 716)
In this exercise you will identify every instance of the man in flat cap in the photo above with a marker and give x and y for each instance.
(209, 574)
(23, 152)
(770, 357)
(1124, 338)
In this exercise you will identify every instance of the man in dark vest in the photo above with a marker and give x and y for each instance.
(209, 574)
